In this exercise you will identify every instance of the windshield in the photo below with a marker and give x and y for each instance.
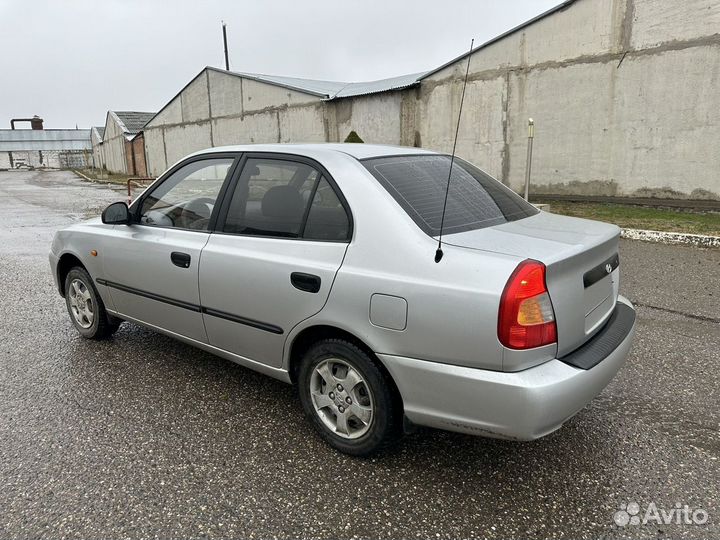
(475, 199)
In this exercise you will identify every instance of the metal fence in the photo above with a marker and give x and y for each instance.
(52, 159)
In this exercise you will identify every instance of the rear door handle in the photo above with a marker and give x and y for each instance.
(180, 259)
(305, 282)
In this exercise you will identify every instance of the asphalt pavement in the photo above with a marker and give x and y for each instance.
(142, 436)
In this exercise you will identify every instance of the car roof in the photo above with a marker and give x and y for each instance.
(356, 150)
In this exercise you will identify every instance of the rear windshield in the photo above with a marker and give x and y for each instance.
(475, 199)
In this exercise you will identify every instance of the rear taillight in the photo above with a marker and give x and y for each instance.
(526, 317)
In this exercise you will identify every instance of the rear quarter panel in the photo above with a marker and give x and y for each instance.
(451, 307)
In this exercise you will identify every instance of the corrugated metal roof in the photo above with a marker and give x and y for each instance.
(100, 130)
(12, 140)
(330, 90)
(315, 87)
(383, 85)
(132, 121)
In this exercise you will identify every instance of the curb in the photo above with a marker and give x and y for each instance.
(81, 175)
(699, 240)
(101, 181)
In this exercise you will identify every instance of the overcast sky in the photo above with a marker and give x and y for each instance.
(70, 61)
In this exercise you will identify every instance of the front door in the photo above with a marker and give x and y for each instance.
(151, 266)
(280, 240)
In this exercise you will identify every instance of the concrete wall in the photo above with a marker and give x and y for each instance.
(155, 157)
(184, 139)
(302, 124)
(254, 128)
(376, 118)
(218, 109)
(480, 138)
(623, 94)
(98, 155)
(628, 132)
(114, 147)
(656, 22)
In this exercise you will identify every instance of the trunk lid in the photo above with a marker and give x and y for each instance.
(577, 253)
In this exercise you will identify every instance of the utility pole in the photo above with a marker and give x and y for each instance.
(227, 61)
(528, 163)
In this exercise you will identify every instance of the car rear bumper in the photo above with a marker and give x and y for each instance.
(522, 405)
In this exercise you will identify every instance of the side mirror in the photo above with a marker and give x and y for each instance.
(116, 214)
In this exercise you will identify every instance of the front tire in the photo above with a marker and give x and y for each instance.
(86, 308)
(350, 401)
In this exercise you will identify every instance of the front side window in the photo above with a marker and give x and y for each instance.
(187, 197)
(474, 200)
(278, 197)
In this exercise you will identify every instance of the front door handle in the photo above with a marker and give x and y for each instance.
(305, 282)
(180, 259)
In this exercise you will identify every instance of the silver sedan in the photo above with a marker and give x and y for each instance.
(315, 264)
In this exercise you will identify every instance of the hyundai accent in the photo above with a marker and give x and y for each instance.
(314, 264)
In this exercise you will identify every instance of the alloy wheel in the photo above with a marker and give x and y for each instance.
(81, 303)
(341, 398)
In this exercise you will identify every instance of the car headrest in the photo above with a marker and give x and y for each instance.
(282, 202)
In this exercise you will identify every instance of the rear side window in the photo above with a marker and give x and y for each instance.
(271, 198)
(475, 199)
(285, 199)
(327, 219)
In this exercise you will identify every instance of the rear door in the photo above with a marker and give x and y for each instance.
(281, 237)
(151, 266)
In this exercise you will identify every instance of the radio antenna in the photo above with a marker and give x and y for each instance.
(439, 252)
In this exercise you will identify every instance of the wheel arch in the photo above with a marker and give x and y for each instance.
(66, 262)
(306, 337)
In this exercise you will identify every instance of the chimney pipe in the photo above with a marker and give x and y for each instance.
(35, 122)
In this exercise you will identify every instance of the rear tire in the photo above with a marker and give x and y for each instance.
(351, 403)
(86, 308)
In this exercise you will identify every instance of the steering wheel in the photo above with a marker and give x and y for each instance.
(155, 217)
(196, 213)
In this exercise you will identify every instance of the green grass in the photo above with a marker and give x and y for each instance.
(642, 217)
